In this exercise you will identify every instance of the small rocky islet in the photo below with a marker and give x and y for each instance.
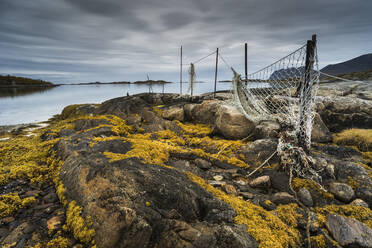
(164, 170)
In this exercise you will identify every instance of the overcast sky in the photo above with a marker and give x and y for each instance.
(116, 40)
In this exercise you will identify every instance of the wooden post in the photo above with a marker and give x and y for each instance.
(181, 73)
(246, 61)
(304, 138)
(215, 75)
(192, 80)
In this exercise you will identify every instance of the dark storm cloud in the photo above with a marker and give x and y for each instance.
(97, 40)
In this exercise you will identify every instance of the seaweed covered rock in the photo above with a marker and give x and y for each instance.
(133, 204)
(131, 174)
(76, 110)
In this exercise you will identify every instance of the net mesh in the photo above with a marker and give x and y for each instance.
(278, 90)
(192, 77)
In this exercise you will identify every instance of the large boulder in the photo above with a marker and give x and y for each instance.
(269, 129)
(174, 113)
(349, 232)
(138, 111)
(340, 113)
(76, 110)
(133, 204)
(204, 112)
(232, 124)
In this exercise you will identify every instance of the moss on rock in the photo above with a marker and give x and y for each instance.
(264, 226)
(75, 223)
(312, 186)
(359, 213)
(10, 203)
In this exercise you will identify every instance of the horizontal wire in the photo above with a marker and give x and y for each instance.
(277, 61)
(197, 61)
(343, 79)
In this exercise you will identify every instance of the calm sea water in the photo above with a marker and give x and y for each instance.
(25, 107)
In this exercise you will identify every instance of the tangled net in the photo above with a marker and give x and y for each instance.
(285, 91)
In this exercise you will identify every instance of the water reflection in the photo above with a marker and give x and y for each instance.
(18, 91)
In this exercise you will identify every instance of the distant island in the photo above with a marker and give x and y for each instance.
(125, 82)
(9, 81)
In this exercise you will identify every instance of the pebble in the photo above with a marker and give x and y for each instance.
(51, 197)
(282, 198)
(305, 197)
(7, 220)
(246, 195)
(241, 182)
(32, 193)
(260, 182)
(359, 202)
(342, 191)
(55, 222)
(230, 189)
(217, 183)
(203, 164)
(218, 177)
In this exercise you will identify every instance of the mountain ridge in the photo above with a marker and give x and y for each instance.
(357, 64)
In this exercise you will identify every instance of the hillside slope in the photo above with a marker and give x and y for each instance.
(358, 64)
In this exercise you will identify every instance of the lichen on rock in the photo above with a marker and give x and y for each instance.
(10, 203)
(268, 229)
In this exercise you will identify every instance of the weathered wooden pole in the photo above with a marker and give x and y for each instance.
(305, 121)
(215, 75)
(246, 61)
(192, 78)
(181, 73)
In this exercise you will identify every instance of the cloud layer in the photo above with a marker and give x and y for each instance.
(95, 40)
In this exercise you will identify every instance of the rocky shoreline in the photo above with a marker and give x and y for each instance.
(163, 170)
